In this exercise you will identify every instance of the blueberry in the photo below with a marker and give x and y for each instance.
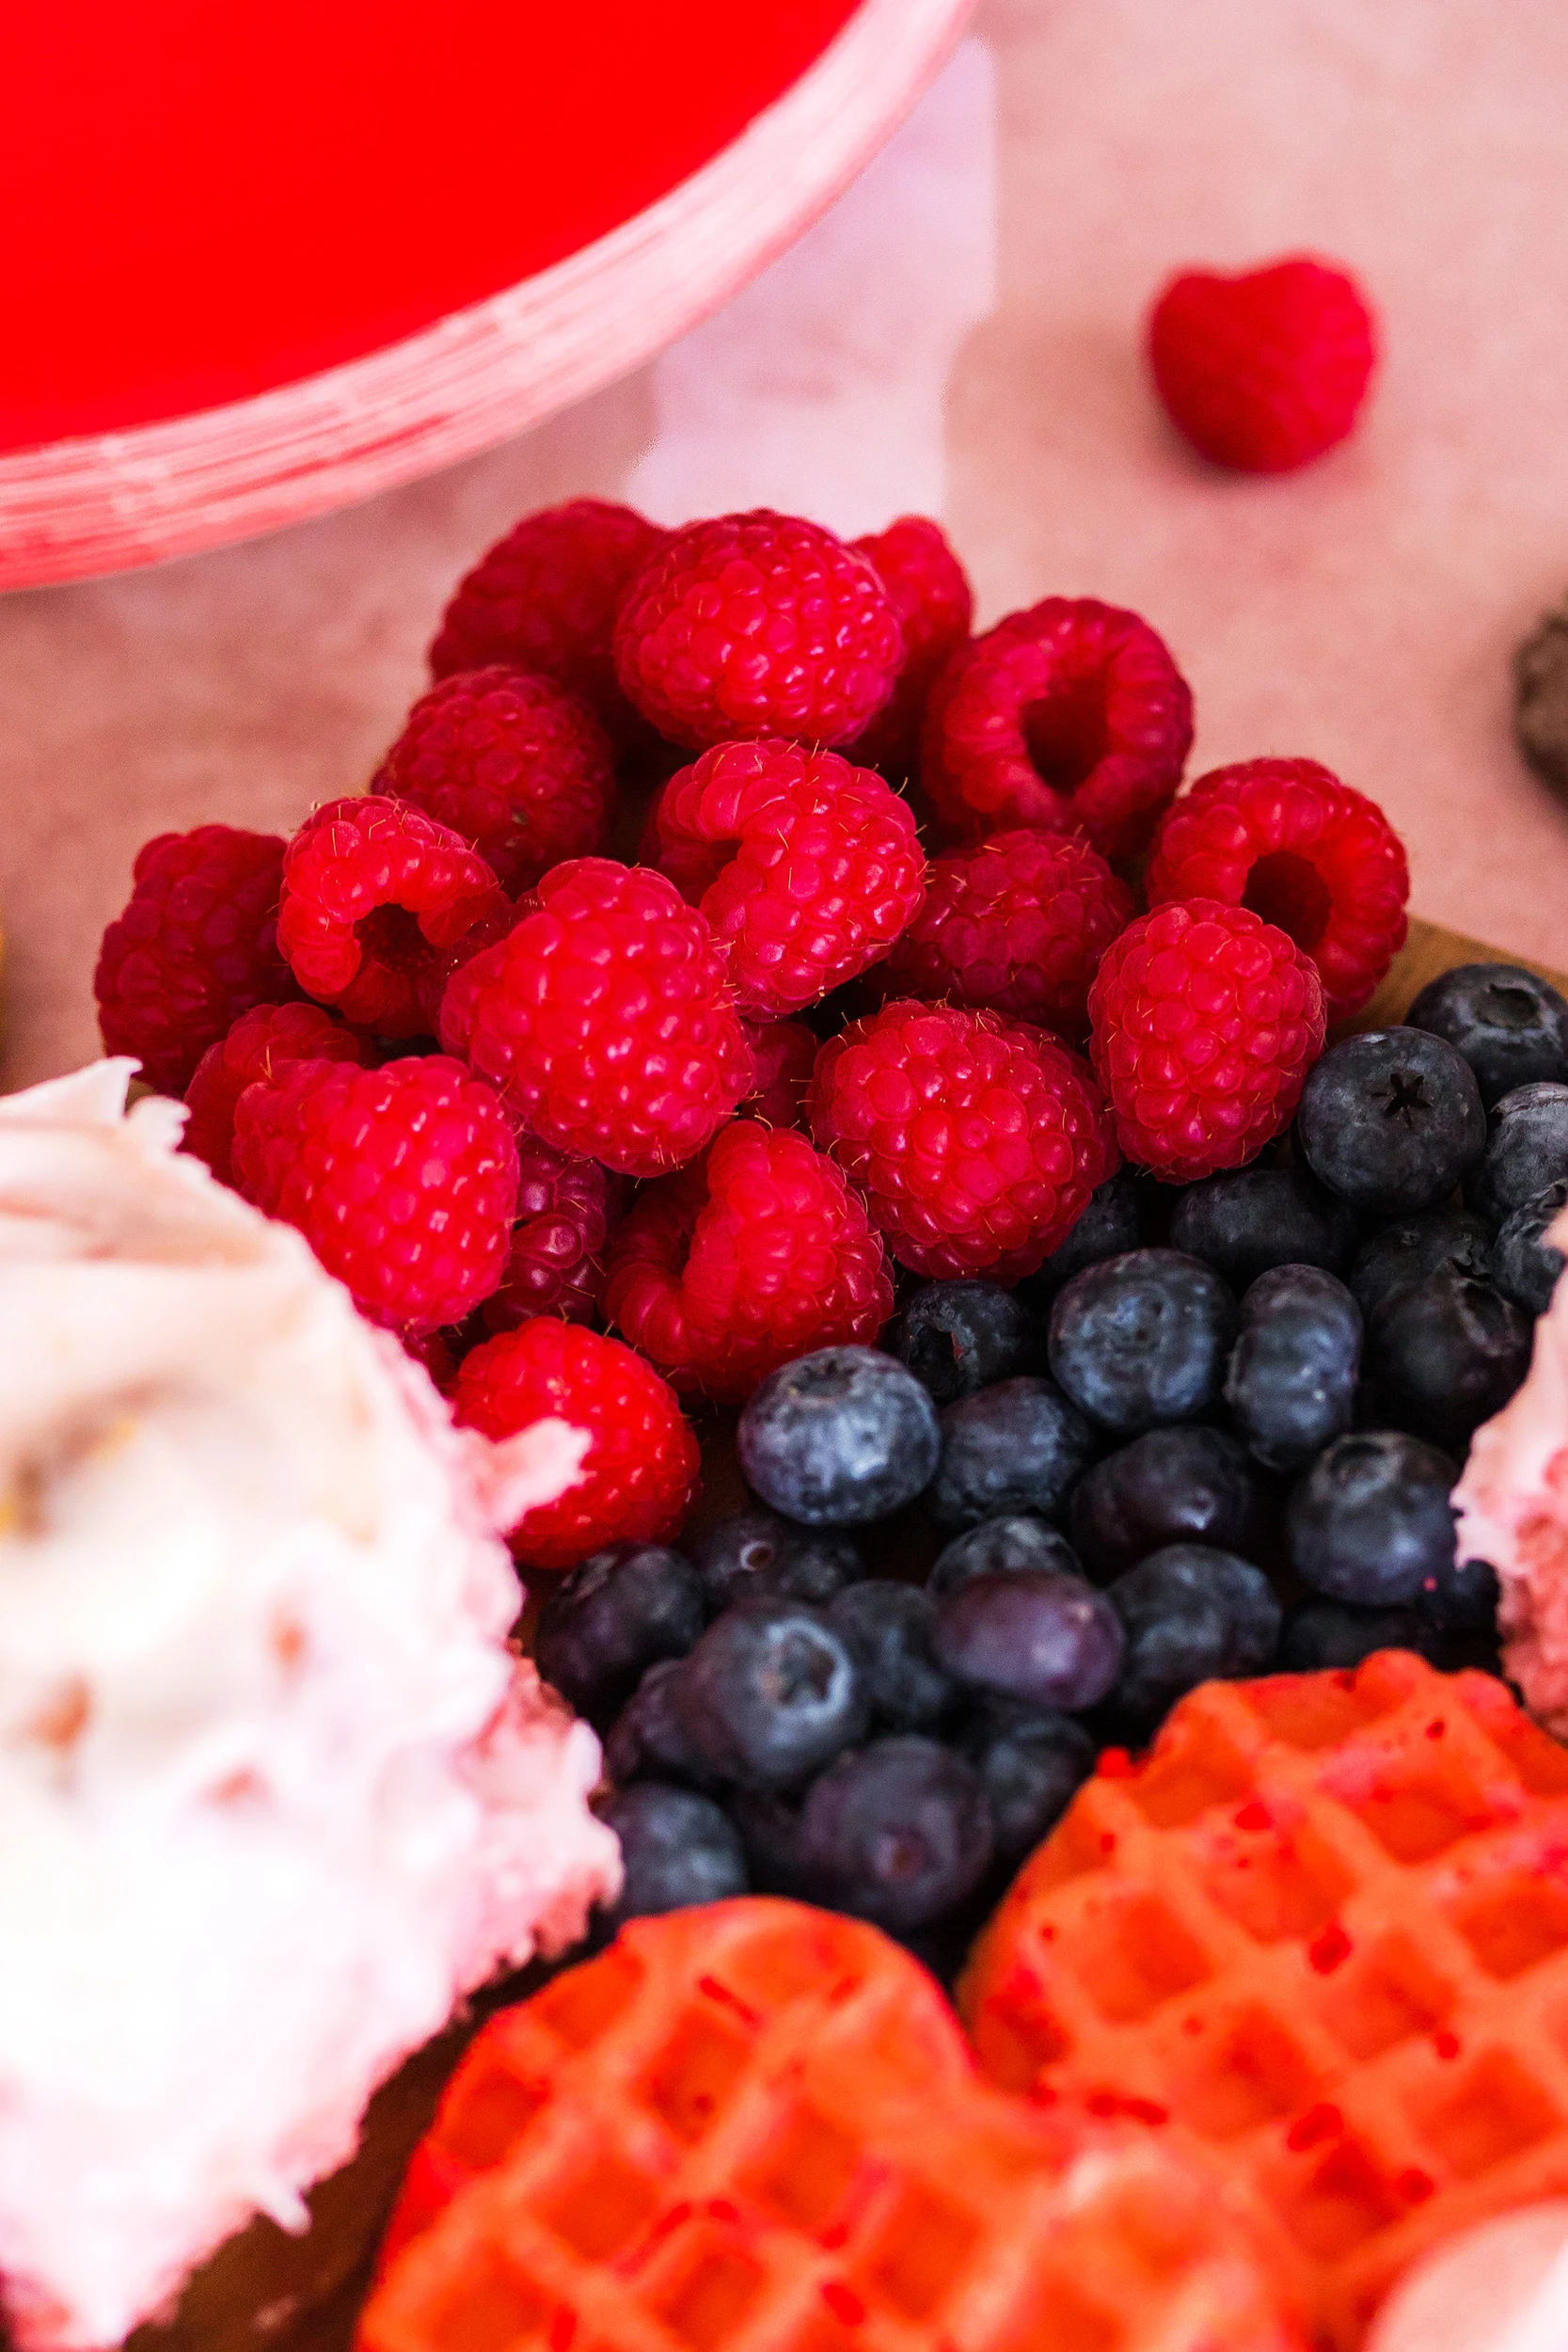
(839, 1437)
(1001, 1548)
(676, 1849)
(770, 1832)
(1527, 1151)
(889, 1626)
(1031, 1761)
(1189, 1614)
(1031, 1634)
(1510, 1026)
(1460, 1599)
(1324, 1633)
(1435, 1241)
(1016, 1447)
(1109, 1225)
(614, 1616)
(649, 1738)
(1168, 1486)
(897, 1833)
(1248, 1220)
(1391, 1120)
(1370, 1520)
(757, 1552)
(1522, 1264)
(959, 1337)
(1143, 1339)
(1445, 1354)
(770, 1693)
(1291, 1382)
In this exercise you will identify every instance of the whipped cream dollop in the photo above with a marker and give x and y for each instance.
(274, 1792)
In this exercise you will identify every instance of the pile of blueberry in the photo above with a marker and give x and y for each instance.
(1214, 1436)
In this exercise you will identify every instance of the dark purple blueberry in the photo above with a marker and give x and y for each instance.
(1447, 1353)
(897, 1833)
(1031, 1762)
(1523, 1264)
(1391, 1120)
(1189, 1614)
(1047, 1639)
(1110, 1225)
(677, 1848)
(888, 1626)
(1370, 1520)
(1527, 1151)
(615, 1615)
(771, 1692)
(756, 1555)
(649, 1738)
(1319, 1635)
(1170, 1486)
(1460, 1599)
(1143, 1339)
(770, 1832)
(959, 1337)
(1435, 1241)
(1001, 1548)
(1511, 1026)
(1290, 1385)
(1247, 1219)
(839, 1437)
(1016, 1447)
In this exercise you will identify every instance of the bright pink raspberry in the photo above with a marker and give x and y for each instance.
(807, 868)
(260, 1041)
(752, 1257)
(518, 767)
(1017, 923)
(930, 590)
(977, 1140)
(640, 1472)
(404, 1180)
(1287, 839)
(372, 893)
(1265, 371)
(545, 598)
(758, 624)
(195, 946)
(785, 1053)
(1206, 1023)
(556, 1264)
(1071, 715)
(606, 1019)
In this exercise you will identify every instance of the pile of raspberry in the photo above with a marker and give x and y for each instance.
(730, 942)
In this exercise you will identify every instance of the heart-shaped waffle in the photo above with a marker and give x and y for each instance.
(1323, 1928)
(757, 2128)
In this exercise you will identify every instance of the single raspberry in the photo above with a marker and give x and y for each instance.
(260, 1041)
(1287, 839)
(545, 598)
(1018, 924)
(195, 946)
(977, 1140)
(555, 1262)
(1267, 370)
(1205, 1020)
(640, 1472)
(1069, 715)
(758, 624)
(755, 1255)
(930, 590)
(606, 1019)
(518, 767)
(807, 868)
(373, 892)
(404, 1180)
(786, 1054)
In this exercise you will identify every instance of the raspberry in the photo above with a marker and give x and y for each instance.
(758, 624)
(1287, 839)
(404, 1180)
(545, 598)
(195, 946)
(928, 589)
(555, 1267)
(1069, 715)
(1264, 371)
(807, 868)
(372, 891)
(740, 1263)
(515, 764)
(976, 1139)
(1205, 1020)
(260, 1041)
(640, 1472)
(1018, 925)
(786, 1052)
(605, 1019)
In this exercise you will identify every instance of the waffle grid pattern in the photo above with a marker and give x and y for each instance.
(1323, 1930)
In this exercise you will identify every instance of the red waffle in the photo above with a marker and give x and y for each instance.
(757, 2128)
(1323, 1928)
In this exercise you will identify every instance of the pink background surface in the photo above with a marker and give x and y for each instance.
(1362, 613)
